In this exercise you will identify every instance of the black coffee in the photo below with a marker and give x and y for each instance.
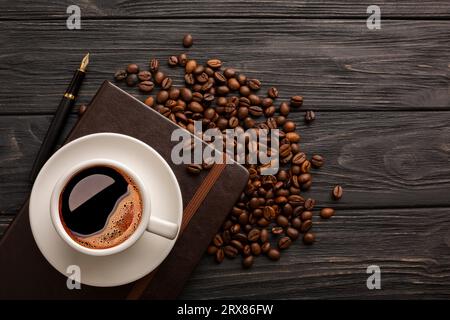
(100, 207)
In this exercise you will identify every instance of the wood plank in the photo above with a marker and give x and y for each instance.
(411, 246)
(336, 64)
(382, 159)
(30, 9)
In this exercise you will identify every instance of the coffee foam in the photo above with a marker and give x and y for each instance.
(121, 224)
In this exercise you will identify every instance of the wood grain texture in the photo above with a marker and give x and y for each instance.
(394, 166)
(382, 159)
(225, 9)
(411, 246)
(337, 65)
(5, 220)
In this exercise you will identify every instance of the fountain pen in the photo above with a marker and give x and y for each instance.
(60, 118)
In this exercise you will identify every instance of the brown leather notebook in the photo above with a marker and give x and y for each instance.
(207, 198)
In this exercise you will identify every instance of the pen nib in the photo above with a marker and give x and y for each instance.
(84, 63)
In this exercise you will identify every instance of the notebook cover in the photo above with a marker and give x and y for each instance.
(207, 199)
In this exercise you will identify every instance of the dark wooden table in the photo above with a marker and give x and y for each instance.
(381, 96)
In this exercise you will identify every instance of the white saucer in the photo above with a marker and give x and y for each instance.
(149, 251)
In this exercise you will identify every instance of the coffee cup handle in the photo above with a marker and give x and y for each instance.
(162, 228)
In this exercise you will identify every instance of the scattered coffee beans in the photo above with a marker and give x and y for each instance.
(271, 212)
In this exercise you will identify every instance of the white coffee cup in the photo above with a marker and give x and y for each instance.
(148, 222)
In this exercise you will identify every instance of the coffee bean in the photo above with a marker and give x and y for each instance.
(159, 77)
(237, 244)
(298, 159)
(255, 111)
(296, 200)
(310, 116)
(256, 248)
(337, 192)
(317, 161)
(309, 238)
(208, 98)
(289, 126)
(199, 69)
(306, 166)
(254, 84)
(219, 77)
(120, 75)
(235, 228)
(293, 137)
(220, 255)
(242, 78)
(282, 221)
(277, 230)
(82, 109)
(223, 90)
(253, 235)
(273, 254)
(309, 203)
(218, 240)
(247, 262)
(281, 120)
(306, 225)
(144, 75)
(186, 94)
(284, 243)
(233, 122)
(249, 122)
(292, 233)
(284, 109)
(304, 178)
(162, 96)
(212, 250)
(166, 83)
(173, 61)
(230, 251)
(296, 223)
(214, 63)
(240, 237)
(132, 68)
(285, 150)
(149, 101)
(194, 168)
(146, 86)
(295, 147)
(233, 84)
(269, 112)
(296, 101)
(132, 80)
(264, 236)
(174, 93)
(190, 66)
(327, 213)
(182, 59)
(188, 41)
(265, 247)
(272, 92)
(306, 215)
(154, 65)
(229, 72)
(246, 251)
